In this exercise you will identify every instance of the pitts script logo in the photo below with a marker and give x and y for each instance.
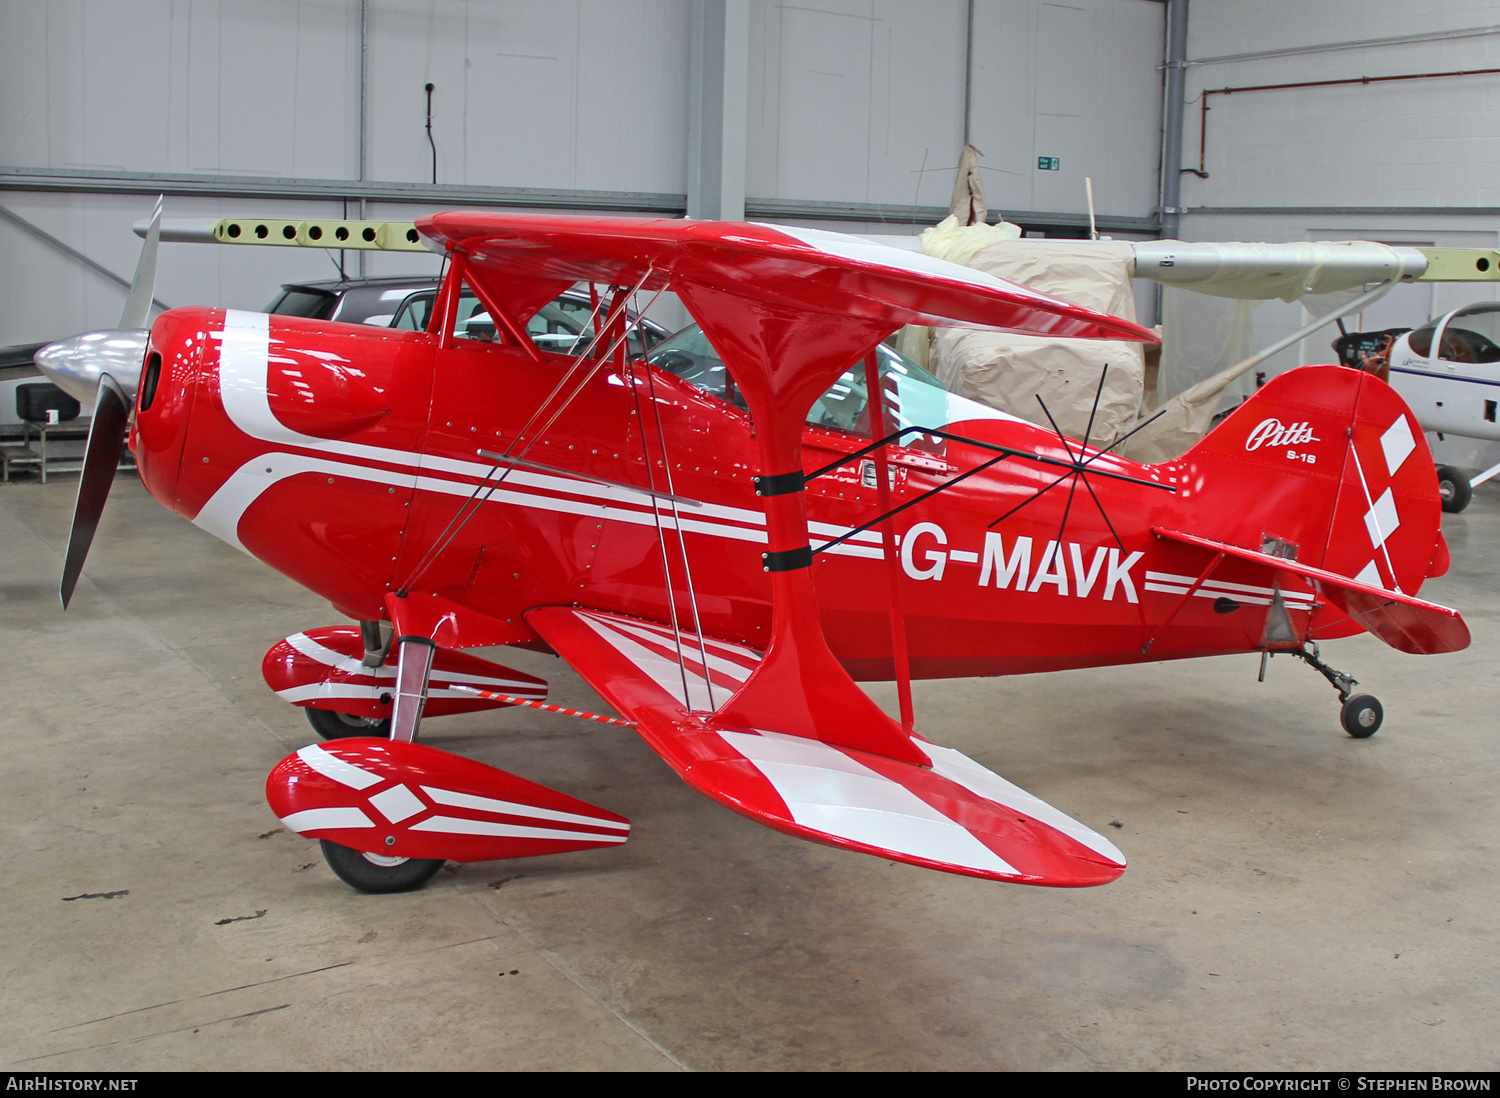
(1270, 432)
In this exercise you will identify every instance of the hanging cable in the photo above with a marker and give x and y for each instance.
(429, 133)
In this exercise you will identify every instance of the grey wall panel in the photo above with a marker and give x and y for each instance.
(215, 85)
(582, 94)
(919, 64)
(1100, 66)
(1409, 143)
(849, 101)
(272, 87)
(1342, 161)
(1003, 100)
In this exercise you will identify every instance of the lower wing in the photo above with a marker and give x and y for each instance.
(954, 816)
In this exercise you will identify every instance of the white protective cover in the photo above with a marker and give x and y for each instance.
(1009, 372)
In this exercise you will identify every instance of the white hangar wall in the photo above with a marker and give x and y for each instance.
(851, 101)
(854, 107)
(1402, 161)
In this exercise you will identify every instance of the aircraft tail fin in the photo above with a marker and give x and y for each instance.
(1325, 466)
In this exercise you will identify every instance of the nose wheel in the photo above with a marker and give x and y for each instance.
(1361, 714)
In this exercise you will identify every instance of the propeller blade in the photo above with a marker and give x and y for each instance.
(137, 312)
(19, 361)
(101, 459)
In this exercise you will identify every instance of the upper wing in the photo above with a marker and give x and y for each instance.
(1404, 622)
(955, 816)
(803, 270)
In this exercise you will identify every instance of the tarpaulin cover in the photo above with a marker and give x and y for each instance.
(1010, 372)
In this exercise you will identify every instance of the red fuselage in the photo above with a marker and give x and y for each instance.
(341, 454)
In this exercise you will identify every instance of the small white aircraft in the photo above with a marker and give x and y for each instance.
(1448, 371)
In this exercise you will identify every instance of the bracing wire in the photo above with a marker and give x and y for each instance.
(471, 506)
(687, 569)
(661, 540)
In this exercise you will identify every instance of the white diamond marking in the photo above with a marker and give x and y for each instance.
(1397, 443)
(1382, 520)
(397, 803)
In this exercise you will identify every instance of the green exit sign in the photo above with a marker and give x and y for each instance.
(1049, 163)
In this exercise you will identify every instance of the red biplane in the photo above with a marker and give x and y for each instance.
(723, 538)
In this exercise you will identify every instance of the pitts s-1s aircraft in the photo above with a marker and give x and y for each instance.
(722, 539)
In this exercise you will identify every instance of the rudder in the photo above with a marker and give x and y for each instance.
(1328, 465)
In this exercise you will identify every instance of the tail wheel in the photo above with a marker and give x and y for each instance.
(1454, 488)
(1361, 716)
(376, 872)
(339, 726)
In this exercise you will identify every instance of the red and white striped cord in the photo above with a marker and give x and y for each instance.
(511, 699)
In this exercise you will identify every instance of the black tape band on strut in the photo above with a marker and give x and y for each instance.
(787, 560)
(781, 484)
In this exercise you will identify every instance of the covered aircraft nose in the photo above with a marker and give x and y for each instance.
(75, 365)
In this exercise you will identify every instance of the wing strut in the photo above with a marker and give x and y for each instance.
(784, 359)
(876, 395)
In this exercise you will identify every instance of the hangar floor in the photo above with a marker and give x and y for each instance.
(1297, 899)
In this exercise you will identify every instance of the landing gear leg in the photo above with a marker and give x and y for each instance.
(1361, 713)
(414, 657)
(376, 636)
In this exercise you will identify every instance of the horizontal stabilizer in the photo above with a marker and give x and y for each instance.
(1405, 623)
(955, 816)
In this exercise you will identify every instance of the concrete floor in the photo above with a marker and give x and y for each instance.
(1296, 899)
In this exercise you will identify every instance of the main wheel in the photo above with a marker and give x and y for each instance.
(1362, 715)
(376, 872)
(1454, 488)
(339, 726)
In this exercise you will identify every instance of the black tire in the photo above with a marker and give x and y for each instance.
(1361, 716)
(340, 726)
(359, 871)
(1454, 488)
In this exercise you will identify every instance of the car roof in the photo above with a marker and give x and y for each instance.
(343, 285)
(356, 300)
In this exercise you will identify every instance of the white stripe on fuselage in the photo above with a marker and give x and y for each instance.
(244, 368)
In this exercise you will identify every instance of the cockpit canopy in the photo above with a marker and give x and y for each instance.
(1470, 334)
(914, 397)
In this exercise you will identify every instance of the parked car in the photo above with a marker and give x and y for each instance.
(564, 325)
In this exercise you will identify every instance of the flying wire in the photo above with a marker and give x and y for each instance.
(661, 539)
(471, 506)
(687, 569)
(1080, 467)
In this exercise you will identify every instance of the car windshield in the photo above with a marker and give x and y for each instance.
(916, 398)
(293, 301)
